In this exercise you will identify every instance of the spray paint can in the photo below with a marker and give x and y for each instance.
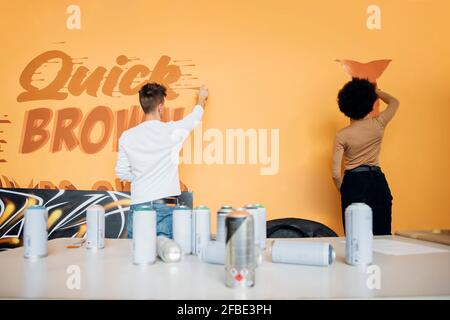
(358, 234)
(201, 228)
(168, 250)
(240, 262)
(35, 238)
(221, 214)
(214, 252)
(262, 220)
(301, 252)
(144, 235)
(182, 228)
(95, 221)
(260, 224)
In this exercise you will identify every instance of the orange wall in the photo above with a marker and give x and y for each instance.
(268, 64)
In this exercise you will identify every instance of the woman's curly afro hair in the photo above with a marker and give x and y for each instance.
(356, 98)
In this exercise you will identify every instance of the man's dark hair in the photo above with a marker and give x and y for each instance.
(356, 98)
(151, 95)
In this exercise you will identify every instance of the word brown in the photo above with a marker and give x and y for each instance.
(71, 129)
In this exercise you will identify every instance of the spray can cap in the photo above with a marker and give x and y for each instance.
(182, 207)
(143, 207)
(36, 207)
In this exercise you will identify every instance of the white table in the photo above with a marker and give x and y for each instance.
(109, 274)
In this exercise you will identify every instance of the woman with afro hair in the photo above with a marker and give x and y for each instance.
(359, 145)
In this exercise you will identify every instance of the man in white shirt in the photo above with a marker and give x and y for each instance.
(149, 155)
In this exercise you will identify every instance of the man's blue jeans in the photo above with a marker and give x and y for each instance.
(163, 218)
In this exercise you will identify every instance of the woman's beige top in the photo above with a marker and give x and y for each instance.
(360, 143)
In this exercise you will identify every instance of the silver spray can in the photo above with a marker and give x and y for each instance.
(302, 252)
(35, 238)
(221, 214)
(214, 252)
(240, 262)
(201, 228)
(260, 224)
(168, 249)
(95, 221)
(182, 228)
(262, 220)
(144, 235)
(358, 234)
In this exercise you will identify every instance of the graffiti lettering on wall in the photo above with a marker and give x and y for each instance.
(82, 79)
(54, 75)
(101, 185)
(71, 129)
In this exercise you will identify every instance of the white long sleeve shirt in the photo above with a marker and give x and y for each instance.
(149, 156)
